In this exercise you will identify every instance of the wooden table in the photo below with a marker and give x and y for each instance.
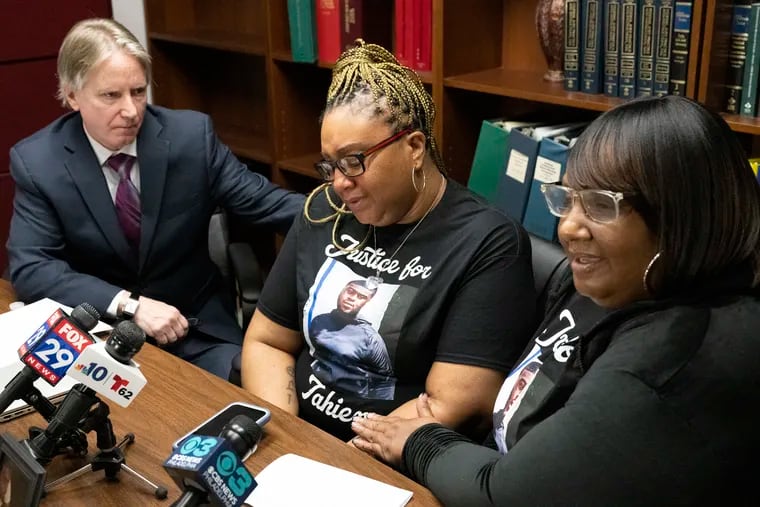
(177, 398)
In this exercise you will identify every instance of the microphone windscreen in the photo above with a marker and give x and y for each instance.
(85, 316)
(243, 433)
(126, 339)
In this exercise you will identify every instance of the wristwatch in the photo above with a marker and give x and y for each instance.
(129, 307)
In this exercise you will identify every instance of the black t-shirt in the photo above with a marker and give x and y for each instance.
(458, 290)
(545, 376)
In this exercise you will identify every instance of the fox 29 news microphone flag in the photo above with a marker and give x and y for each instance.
(107, 367)
(51, 351)
(210, 470)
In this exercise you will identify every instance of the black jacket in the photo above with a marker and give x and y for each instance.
(662, 414)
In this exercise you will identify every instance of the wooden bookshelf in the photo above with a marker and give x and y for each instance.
(232, 59)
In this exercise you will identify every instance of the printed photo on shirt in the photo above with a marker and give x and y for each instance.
(513, 391)
(522, 379)
(351, 325)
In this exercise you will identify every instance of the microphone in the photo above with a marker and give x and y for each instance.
(107, 367)
(100, 370)
(210, 470)
(49, 353)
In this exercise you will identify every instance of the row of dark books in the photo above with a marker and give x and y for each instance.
(627, 48)
(743, 59)
(513, 158)
(323, 29)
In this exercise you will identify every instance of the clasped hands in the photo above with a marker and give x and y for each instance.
(161, 321)
(384, 436)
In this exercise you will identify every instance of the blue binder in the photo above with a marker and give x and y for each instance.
(514, 182)
(491, 156)
(550, 167)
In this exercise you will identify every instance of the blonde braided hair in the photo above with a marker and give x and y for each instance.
(372, 69)
(370, 72)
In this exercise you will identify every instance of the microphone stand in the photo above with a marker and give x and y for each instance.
(24, 382)
(110, 457)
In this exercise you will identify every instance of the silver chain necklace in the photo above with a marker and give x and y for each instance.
(377, 279)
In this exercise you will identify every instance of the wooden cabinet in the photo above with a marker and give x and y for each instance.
(29, 39)
(231, 59)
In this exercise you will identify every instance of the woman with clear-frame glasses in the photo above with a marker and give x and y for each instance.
(649, 347)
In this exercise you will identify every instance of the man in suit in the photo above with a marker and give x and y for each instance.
(113, 202)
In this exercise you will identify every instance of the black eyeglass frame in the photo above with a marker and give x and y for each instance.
(326, 168)
(616, 197)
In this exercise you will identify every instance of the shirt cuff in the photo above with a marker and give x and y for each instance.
(113, 307)
(423, 445)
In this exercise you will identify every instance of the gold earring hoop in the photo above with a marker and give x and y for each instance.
(414, 181)
(353, 248)
(338, 210)
(647, 271)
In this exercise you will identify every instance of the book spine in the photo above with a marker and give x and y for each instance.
(409, 33)
(751, 65)
(645, 67)
(628, 44)
(302, 34)
(399, 28)
(423, 56)
(328, 30)
(737, 54)
(664, 41)
(572, 44)
(679, 54)
(351, 23)
(611, 47)
(592, 52)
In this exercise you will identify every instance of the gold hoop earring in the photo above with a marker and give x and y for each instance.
(338, 210)
(647, 271)
(353, 248)
(414, 181)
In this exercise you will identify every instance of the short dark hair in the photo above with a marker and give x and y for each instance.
(364, 284)
(692, 182)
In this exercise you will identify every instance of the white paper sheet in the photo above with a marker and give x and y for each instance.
(293, 480)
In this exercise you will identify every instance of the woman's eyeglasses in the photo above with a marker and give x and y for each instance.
(353, 165)
(601, 206)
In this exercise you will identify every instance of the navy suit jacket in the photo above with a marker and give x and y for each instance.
(65, 241)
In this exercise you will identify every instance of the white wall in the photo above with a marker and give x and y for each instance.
(131, 14)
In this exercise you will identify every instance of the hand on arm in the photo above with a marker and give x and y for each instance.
(161, 321)
(449, 401)
(461, 396)
(269, 362)
(384, 436)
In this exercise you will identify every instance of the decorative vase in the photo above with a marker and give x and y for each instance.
(550, 25)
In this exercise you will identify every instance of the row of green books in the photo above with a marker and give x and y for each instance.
(512, 159)
(627, 48)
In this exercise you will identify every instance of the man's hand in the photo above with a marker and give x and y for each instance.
(161, 321)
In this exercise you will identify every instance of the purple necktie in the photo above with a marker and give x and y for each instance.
(127, 198)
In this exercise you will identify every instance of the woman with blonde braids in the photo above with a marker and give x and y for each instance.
(441, 295)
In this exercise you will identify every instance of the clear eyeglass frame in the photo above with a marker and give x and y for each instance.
(353, 165)
(601, 206)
